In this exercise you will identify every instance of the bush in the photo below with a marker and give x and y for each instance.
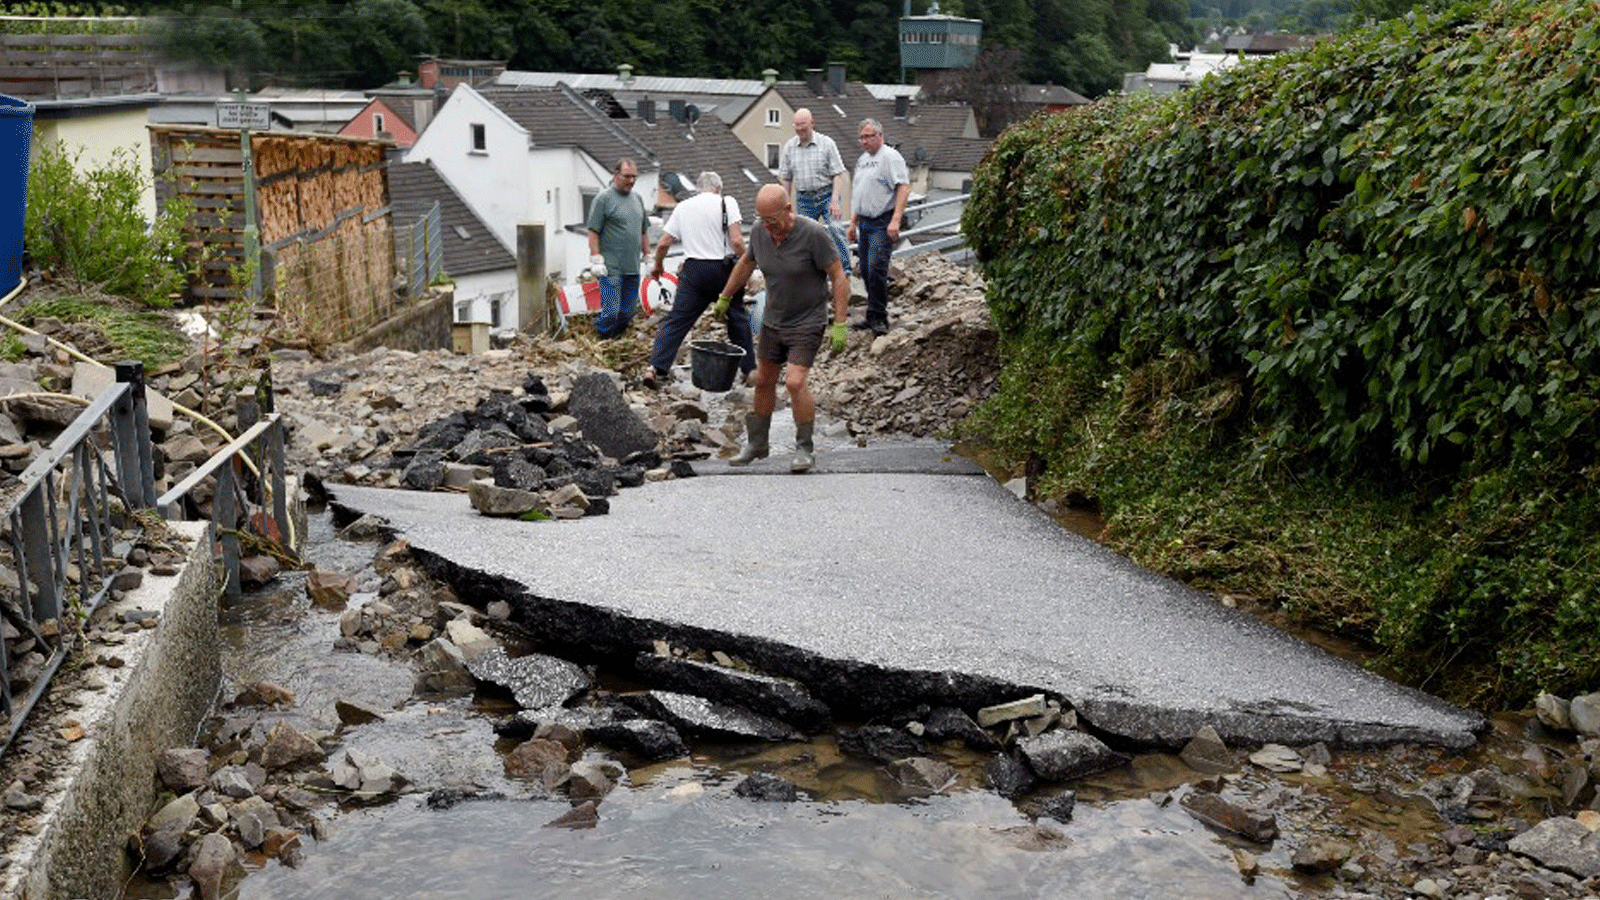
(1369, 271)
(87, 227)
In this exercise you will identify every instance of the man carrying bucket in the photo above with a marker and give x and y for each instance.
(797, 257)
(708, 225)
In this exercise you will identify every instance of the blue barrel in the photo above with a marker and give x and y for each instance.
(16, 142)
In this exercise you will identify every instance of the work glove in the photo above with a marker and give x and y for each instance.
(721, 309)
(597, 266)
(838, 333)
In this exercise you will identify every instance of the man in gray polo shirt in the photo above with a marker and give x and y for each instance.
(803, 273)
(812, 171)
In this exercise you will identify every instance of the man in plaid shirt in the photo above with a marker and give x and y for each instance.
(812, 171)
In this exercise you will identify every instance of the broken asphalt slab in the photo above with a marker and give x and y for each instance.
(885, 586)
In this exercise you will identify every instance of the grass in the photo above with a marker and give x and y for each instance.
(148, 337)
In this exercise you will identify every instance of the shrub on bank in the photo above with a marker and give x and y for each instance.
(1326, 330)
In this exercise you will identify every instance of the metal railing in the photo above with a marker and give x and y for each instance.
(951, 239)
(247, 497)
(419, 251)
(63, 536)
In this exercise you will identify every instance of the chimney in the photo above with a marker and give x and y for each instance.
(675, 107)
(836, 78)
(769, 77)
(625, 74)
(403, 78)
(902, 105)
(428, 73)
(814, 81)
(647, 110)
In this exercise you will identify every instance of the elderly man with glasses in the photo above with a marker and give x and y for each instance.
(803, 273)
(812, 171)
(877, 202)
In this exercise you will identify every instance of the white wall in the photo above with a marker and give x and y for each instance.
(493, 181)
(477, 292)
(97, 139)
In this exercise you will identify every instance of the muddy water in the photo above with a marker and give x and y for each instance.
(676, 829)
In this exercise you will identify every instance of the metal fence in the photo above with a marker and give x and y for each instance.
(942, 235)
(65, 541)
(419, 251)
(75, 518)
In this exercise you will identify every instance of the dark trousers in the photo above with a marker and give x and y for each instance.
(699, 283)
(873, 247)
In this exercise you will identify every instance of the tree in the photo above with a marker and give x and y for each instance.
(384, 37)
(991, 86)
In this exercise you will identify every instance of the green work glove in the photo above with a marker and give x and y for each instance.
(838, 333)
(721, 309)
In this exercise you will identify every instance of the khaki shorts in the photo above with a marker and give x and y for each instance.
(797, 348)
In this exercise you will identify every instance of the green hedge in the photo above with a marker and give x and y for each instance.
(1369, 268)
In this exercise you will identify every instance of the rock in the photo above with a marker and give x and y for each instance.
(232, 781)
(287, 746)
(920, 774)
(280, 842)
(329, 590)
(584, 815)
(948, 723)
(472, 640)
(1277, 758)
(252, 817)
(1025, 708)
(365, 776)
(645, 738)
(182, 769)
(880, 743)
(176, 816)
(425, 472)
(702, 717)
(1211, 809)
(537, 760)
(364, 528)
(1552, 712)
(587, 781)
(1585, 713)
(442, 669)
(1249, 867)
(766, 788)
(1009, 776)
(1059, 806)
(159, 850)
(606, 419)
(127, 578)
(491, 500)
(355, 714)
(258, 569)
(1320, 856)
(1206, 753)
(215, 866)
(1065, 755)
(779, 698)
(1561, 843)
(535, 680)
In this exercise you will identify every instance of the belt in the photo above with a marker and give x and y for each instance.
(823, 190)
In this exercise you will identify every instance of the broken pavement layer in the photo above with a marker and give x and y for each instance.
(882, 587)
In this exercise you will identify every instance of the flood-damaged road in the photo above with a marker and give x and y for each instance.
(900, 574)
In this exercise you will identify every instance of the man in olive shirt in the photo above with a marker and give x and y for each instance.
(618, 226)
(797, 257)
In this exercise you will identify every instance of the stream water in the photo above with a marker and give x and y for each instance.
(677, 829)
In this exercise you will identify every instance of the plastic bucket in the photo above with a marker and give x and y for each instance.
(16, 143)
(713, 364)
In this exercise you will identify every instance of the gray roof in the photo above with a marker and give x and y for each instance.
(559, 117)
(469, 246)
(1051, 95)
(927, 126)
(961, 154)
(709, 144)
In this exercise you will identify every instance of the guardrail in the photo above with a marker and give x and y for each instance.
(248, 495)
(64, 537)
(950, 228)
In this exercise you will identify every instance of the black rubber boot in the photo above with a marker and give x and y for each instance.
(804, 454)
(755, 447)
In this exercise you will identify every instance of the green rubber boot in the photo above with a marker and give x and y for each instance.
(755, 447)
(803, 451)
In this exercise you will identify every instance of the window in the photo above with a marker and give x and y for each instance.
(377, 123)
(463, 311)
(494, 312)
(588, 200)
(774, 117)
(772, 156)
(480, 139)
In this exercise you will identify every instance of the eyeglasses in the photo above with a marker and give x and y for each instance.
(627, 176)
(869, 136)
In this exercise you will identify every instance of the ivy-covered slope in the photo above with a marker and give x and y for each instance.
(1361, 277)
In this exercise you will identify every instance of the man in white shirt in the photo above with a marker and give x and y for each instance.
(877, 202)
(708, 226)
(812, 171)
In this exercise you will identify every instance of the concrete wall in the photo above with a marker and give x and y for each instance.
(423, 326)
(156, 701)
